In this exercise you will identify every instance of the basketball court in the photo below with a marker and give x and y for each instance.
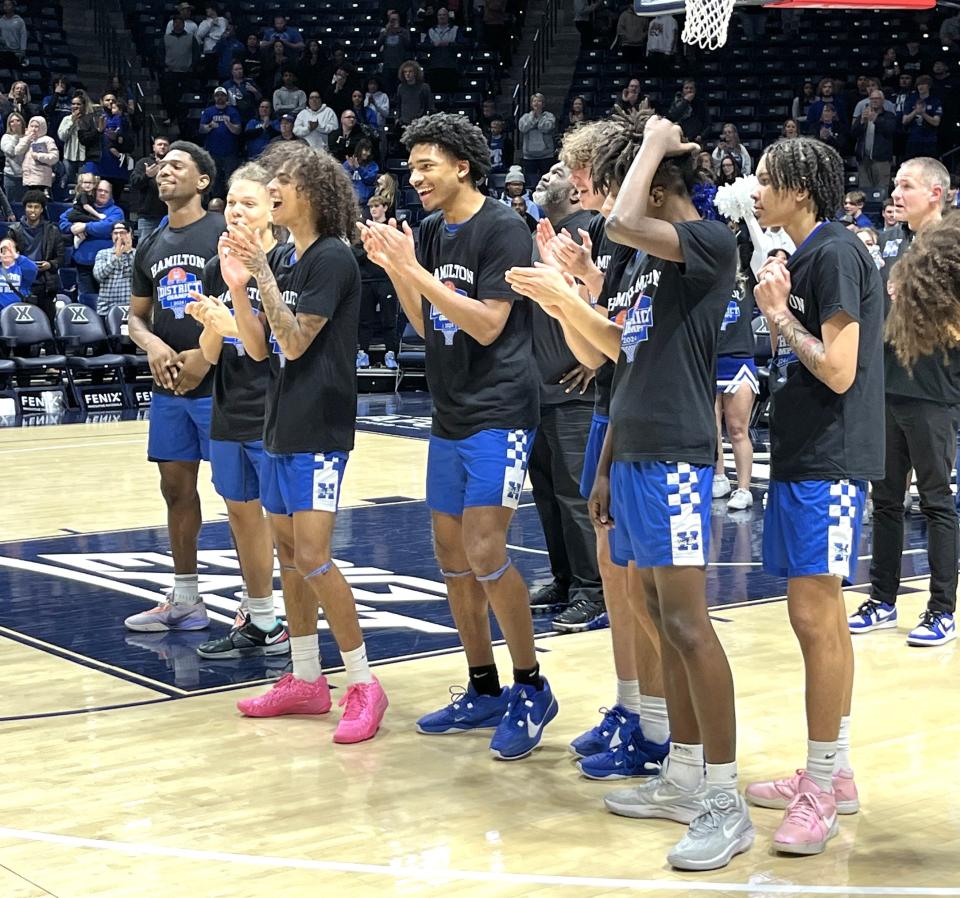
(130, 771)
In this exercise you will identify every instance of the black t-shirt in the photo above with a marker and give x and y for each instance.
(665, 383)
(611, 258)
(932, 378)
(169, 265)
(239, 382)
(736, 331)
(477, 387)
(815, 433)
(312, 401)
(554, 358)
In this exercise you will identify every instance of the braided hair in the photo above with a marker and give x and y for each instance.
(803, 163)
(616, 155)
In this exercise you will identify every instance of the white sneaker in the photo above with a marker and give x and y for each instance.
(721, 486)
(740, 500)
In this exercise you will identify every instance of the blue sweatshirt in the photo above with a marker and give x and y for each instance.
(21, 275)
(98, 233)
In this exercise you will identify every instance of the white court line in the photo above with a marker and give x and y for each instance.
(525, 549)
(54, 446)
(402, 871)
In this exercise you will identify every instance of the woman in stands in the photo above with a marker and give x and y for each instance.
(578, 112)
(729, 170)
(113, 164)
(13, 163)
(790, 129)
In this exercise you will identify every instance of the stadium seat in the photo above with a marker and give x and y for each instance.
(25, 332)
(119, 341)
(86, 346)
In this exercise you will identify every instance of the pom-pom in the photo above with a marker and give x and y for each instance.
(734, 201)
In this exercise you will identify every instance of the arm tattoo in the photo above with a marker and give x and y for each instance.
(808, 348)
(292, 334)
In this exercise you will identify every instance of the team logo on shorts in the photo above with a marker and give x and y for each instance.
(636, 327)
(732, 315)
(174, 290)
(688, 541)
(441, 322)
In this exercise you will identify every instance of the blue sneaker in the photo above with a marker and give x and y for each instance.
(363, 360)
(873, 615)
(528, 712)
(390, 361)
(616, 722)
(634, 756)
(468, 710)
(935, 628)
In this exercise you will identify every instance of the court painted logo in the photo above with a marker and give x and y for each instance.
(173, 291)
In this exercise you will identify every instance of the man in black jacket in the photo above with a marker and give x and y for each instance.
(40, 240)
(690, 112)
(874, 131)
(143, 184)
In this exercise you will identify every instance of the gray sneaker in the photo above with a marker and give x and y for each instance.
(722, 830)
(169, 617)
(657, 797)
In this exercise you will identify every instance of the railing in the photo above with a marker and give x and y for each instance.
(529, 81)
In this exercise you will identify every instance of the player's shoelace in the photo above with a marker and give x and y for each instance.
(707, 822)
(868, 608)
(612, 718)
(931, 619)
(356, 700)
(805, 810)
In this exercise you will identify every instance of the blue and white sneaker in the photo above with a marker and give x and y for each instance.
(390, 360)
(634, 756)
(363, 359)
(528, 712)
(935, 628)
(873, 615)
(609, 733)
(468, 710)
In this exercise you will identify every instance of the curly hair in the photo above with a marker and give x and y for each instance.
(251, 171)
(925, 313)
(201, 159)
(582, 143)
(456, 135)
(324, 182)
(616, 155)
(804, 163)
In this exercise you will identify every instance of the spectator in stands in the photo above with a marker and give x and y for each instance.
(241, 91)
(514, 187)
(209, 32)
(631, 39)
(690, 112)
(95, 234)
(753, 22)
(13, 37)
(289, 36)
(230, 49)
(914, 59)
(252, 59)
(56, 106)
(12, 162)
(922, 121)
(728, 170)
(942, 79)
(312, 67)
(706, 165)
(538, 129)
(442, 40)
(873, 85)
(343, 142)
(275, 65)
(790, 129)
(630, 96)
(730, 145)
(40, 155)
(20, 100)
(336, 60)
(871, 240)
(338, 92)
(286, 128)
(40, 241)
(873, 133)
(378, 304)
(889, 69)
(143, 185)
(17, 274)
(377, 208)
(949, 33)
(800, 107)
(488, 112)
(577, 113)
(113, 269)
(414, 96)
(387, 188)
(184, 12)
(377, 100)
(289, 99)
(661, 44)
(830, 129)
(315, 123)
(519, 205)
(115, 163)
(853, 203)
(181, 55)
(501, 147)
(826, 96)
(221, 126)
(363, 170)
(890, 223)
(366, 115)
(395, 46)
(80, 136)
(260, 130)
(496, 31)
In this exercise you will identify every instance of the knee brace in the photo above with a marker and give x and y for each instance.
(496, 575)
(320, 571)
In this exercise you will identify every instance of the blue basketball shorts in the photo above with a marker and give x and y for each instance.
(734, 372)
(812, 527)
(485, 469)
(179, 428)
(236, 469)
(591, 455)
(303, 481)
(661, 513)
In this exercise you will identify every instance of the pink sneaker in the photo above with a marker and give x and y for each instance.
(366, 704)
(810, 821)
(289, 696)
(777, 794)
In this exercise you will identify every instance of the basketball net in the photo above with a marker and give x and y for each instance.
(706, 23)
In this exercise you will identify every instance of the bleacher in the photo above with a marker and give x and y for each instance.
(48, 53)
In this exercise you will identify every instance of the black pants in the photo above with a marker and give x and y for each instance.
(922, 435)
(556, 464)
(378, 309)
(86, 282)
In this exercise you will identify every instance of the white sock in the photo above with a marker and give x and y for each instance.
(821, 756)
(628, 695)
(244, 601)
(185, 589)
(685, 767)
(654, 719)
(305, 654)
(843, 746)
(262, 613)
(358, 671)
(723, 776)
